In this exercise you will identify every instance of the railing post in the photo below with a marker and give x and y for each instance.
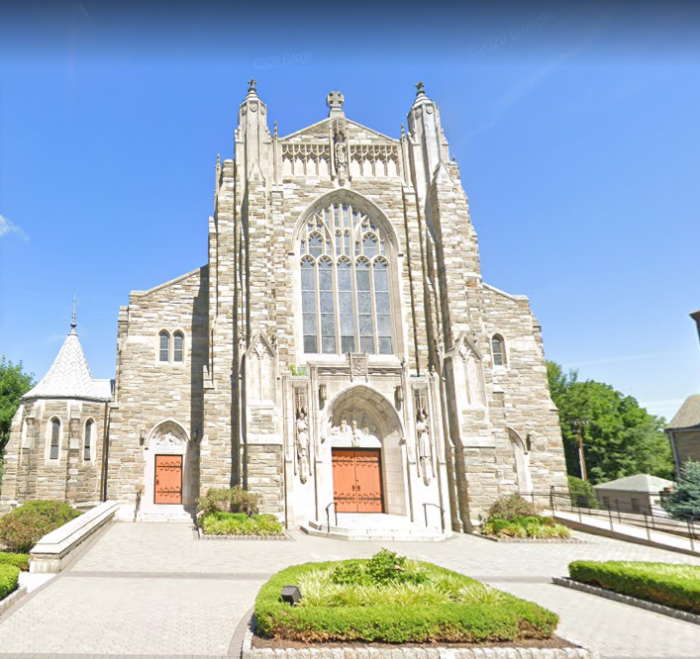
(551, 498)
(646, 525)
(691, 525)
(610, 515)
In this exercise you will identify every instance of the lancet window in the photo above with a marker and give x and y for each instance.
(345, 297)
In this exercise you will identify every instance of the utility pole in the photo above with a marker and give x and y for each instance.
(578, 424)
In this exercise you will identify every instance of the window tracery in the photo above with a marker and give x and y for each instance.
(344, 267)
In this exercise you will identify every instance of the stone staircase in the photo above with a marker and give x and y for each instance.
(373, 526)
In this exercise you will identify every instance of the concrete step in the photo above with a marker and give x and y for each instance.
(375, 528)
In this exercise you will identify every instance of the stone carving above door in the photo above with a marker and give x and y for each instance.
(354, 430)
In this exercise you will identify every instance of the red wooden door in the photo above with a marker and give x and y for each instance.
(357, 481)
(168, 488)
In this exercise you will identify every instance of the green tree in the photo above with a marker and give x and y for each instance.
(620, 439)
(14, 382)
(684, 501)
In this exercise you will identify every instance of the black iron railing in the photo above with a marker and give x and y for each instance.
(328, 514)
(442, 514)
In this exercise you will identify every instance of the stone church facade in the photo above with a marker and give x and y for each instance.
(339, 346)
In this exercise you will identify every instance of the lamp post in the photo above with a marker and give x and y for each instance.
(578, 424)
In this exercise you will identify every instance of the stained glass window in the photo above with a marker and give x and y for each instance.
(345, 284)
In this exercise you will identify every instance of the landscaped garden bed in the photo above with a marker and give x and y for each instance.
(392, 600)
(24, 526)
(512, 519)
(234, 514)
(671, 585)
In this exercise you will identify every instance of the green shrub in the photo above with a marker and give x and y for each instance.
(218, 523)
(684, 502)
(511, 507)
(23, 527)
(582, 493)
(525, 527)
(9, 578)
(234, 500)
(362, 613)
(673, 585)
(18, 560)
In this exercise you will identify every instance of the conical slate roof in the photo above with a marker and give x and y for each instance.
(70, 377)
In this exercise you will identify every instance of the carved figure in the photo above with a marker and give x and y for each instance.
(302, 445)
(356, 434)
(424, 449)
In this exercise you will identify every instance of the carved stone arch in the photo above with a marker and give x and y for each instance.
(167, 426)
(261, 370)
(382, 408)
(521, 456)
(259, 345)
(361, 418)
(358, 201)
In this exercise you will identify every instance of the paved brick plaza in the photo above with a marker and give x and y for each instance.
(154, 590)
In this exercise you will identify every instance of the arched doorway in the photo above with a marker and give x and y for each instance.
(368, 466)
(167, 480)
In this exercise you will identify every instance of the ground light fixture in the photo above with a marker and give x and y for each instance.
(291, 594)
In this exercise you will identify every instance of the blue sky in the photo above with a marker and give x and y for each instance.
(576, 132)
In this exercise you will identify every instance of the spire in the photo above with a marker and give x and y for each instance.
(252, 92)
(69, 375)
(73, 324)
(421, 96)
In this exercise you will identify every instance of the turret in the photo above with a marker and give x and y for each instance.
(429, 146)
(253, 140)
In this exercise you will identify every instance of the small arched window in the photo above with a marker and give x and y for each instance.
(164, 352)
(498, 349)
(55, 439)
(178, 344)
(87, 447)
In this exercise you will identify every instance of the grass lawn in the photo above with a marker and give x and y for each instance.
(390, 599)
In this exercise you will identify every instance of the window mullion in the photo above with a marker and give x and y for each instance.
(373, 301)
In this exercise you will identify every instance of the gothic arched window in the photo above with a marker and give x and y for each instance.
(55, 439)
(164, 352)
(345, 297)
(87, 445)
(178, 343)
(498, 350)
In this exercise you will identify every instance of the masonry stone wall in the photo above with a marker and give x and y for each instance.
(148, 391)
(31, 473)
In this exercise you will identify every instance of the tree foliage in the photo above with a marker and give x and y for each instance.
(684, 501)
(14, 383)
(620, 439)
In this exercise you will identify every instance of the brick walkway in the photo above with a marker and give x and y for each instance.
(153, 590)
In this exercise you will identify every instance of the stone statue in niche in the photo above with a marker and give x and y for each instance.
(302, 445)
(424, 449)
(354, 433)
(340, 149)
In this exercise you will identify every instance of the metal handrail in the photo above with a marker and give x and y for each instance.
(442, 514)
(328, 514)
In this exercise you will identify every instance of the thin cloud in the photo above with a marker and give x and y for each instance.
(525, 86)
(621, 359)
(7, 227)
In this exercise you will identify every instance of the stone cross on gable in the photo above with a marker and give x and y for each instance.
(335, 100)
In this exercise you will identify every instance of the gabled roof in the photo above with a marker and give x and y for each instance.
(688, 416)
(637, 483)
(70, 377)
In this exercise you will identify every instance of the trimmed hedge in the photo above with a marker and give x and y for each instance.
(23, 527)
(510, 620)
(663, 583)
(18, 560)
(9, 578)
(218, 523)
